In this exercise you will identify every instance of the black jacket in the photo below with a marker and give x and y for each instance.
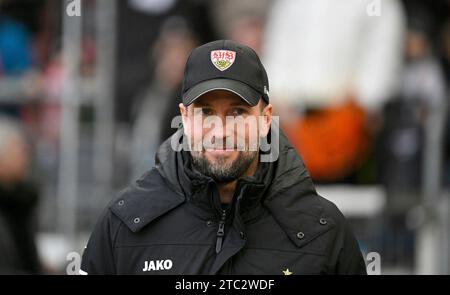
(18, 250)
(171, 222)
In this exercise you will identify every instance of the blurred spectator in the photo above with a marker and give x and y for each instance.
(155, 108)
(422, 77)
(445, 59)
(333, 68)
(446, 62)
(422, 90)
(241, 21)
(18, 199)
(138, 24)
(15, 51)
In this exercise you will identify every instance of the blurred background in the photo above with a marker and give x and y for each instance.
(88, 89)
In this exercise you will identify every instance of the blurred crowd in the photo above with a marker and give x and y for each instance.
(353, 91)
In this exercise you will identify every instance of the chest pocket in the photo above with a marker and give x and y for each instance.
(254, 261)
(287, 251)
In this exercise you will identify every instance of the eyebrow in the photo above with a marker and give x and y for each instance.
(234, 104)
(200, 104)
(240, 104)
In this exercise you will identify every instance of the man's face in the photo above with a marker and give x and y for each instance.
(223, 131)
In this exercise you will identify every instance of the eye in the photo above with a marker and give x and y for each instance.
(206, 112)
(238, 111)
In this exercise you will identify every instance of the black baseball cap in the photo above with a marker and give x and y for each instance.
(225, 65)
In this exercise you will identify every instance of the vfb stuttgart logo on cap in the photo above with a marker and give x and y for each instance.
(223, 59)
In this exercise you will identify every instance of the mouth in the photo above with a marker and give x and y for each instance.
(219, 151)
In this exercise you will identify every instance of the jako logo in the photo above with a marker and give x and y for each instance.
(157, 265)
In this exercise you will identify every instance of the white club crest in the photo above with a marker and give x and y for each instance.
(223, 59)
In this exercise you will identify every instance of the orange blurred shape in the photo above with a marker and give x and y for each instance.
(333, 142)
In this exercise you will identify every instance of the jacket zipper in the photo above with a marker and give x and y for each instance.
(221, 231)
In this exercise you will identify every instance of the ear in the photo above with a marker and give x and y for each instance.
(184, 118)
(266, 120)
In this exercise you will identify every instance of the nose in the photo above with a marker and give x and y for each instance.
(219, 131)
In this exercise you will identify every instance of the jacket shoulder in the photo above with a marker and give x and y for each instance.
(325, 213)
(148, 198)
(330, 209)
(346, 257)
(305, 215)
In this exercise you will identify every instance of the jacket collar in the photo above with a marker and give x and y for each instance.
(200, 190)
(144, 201)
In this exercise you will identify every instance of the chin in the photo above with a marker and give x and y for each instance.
(224, 155)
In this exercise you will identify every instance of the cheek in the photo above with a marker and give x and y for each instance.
(241, 132)
(197, 132)
(249, 131)
(191, 127)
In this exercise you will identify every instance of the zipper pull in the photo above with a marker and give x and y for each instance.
(221, 231)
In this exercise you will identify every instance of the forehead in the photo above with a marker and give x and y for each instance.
(219, 98)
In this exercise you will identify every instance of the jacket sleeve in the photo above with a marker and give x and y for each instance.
(349, 260)
(98, 255)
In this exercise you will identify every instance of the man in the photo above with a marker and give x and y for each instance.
(18, 201)
(216, 207)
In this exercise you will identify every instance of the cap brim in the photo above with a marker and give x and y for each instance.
(248, 94)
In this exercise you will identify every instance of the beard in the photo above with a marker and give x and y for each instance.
(222, 171)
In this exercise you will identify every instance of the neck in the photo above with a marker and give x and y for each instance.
(226, 190)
